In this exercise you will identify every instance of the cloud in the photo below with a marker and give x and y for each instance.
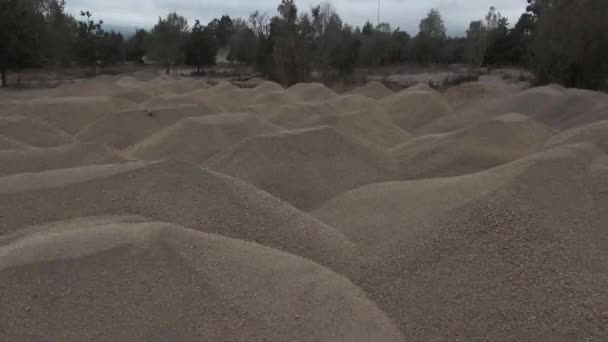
(399, 13)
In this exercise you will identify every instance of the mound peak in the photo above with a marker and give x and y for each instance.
(123, 129)
(311, 92)
(528, 225)
(267, 87)
(298, 167)
(186, 195)
(71, 114)
(551, 105)
(474, 148)
(596, 133)
(274, 98)
(374, 90)
(412, 109)
(197, 139)
(350, 103)
(32, 131)
(7, 143)
(34, 160)
(469, 94)
(135, 279)
(223, 87)
(54, 178)
(301, 115)
(371, 126)
(420, 87)
(104, 86)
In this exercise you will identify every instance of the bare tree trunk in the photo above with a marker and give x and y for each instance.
(168, 70)
(3, 77)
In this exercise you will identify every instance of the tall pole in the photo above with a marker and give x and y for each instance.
(378, 12)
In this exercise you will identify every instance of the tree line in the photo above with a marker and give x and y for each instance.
(560, 40)
(39, 33)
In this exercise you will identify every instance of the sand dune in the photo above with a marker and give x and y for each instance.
(432, 216)
(470, 94)
(171, 100)
(229, 99)
(350, 103)
(166, 93)
(300, 168)
(599, 172)
(99, 86)
(374, 90)
(552, 105)
(129, 82)
(372, 126)
(149, 279)
(420, 87)
(186, 195)
(380, 215)
(266, 87)
(7, 143)
(71, 114)
(28, 181)
(197, 95)
(527, 102)
(197, 139)
(142, 91)
(224, 95)
(262, 111)
(273, 98)
(370, 214)
(223, 87)
(145, 75)
(596, 133)
(412, 109)
(123, 129)
(30, 131)
(475, 148)
(363, 121)
(301, 115)
(186, 86)
(507, 238)
(598, 113)
(311, 92)
(137, 96)
(34, 160)
(8, 107)
(577, 107)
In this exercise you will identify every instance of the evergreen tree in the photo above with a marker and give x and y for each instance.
(201, 48)
(89, 40)
(21, 30)
(167, 39)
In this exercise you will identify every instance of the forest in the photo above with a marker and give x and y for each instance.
(560, 41)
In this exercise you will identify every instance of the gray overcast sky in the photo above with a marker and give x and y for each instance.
(403, 13)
